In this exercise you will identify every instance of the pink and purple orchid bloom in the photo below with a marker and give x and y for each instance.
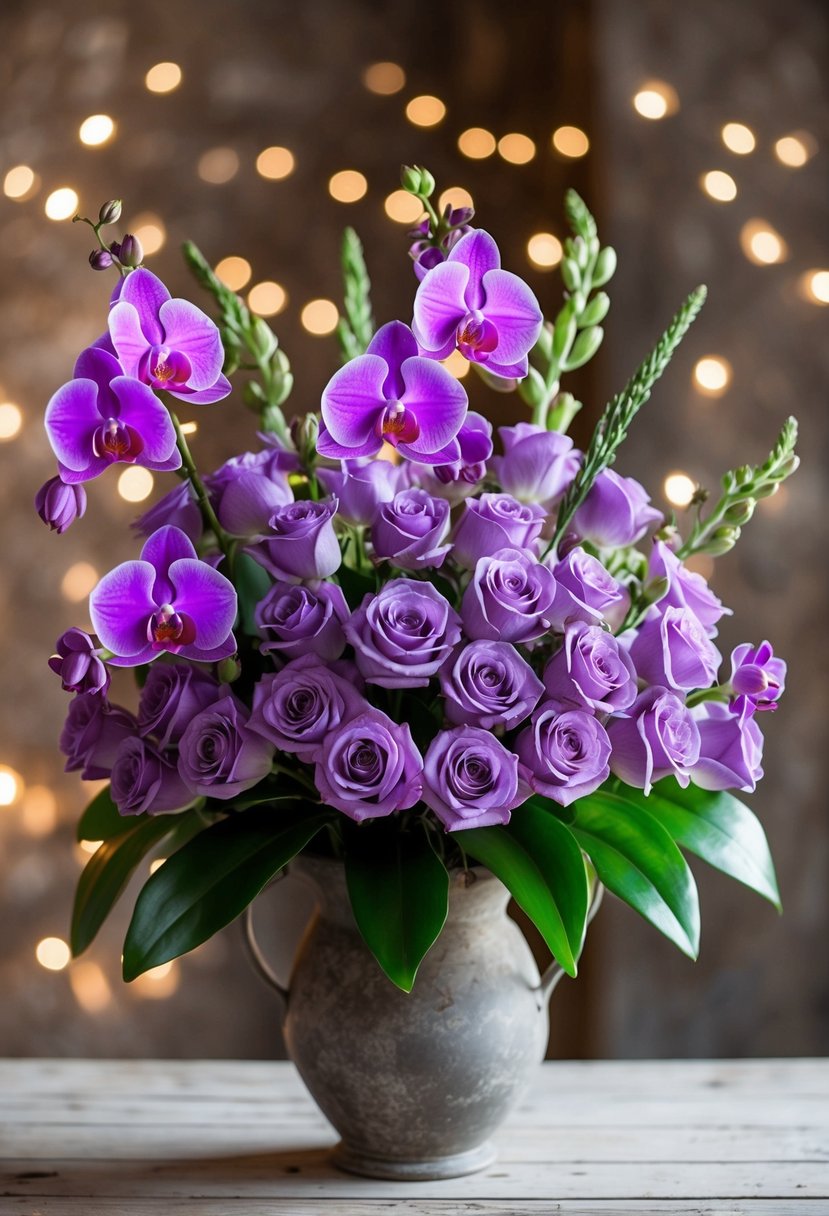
(167, 602)
(468, 302)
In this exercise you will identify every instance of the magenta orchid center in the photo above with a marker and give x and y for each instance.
(398, 423)
(170, 629)
(476, 336)
(166, 366)
(117, 441)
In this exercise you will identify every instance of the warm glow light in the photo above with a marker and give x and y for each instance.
(319, 317)
(163, 78)
(761, 244)
(218, 165)
(719, 186)
(656, 99)
(425, 111)
(38, 811)
(454, 197)
(234, 272)
(11, 419)
(78, 581)
(384, 78)
(738, 138)
(275, 163)
(403, 207)
(571, 142)
(347, 186)
(135, 483)
(20, 182)
(89, 846)
(814, 286)
(679, 489)
(53, 953)
(189, 428)
(267, 298)
(159, 982)
(157, 864)
(90, 987)
(477, 143)
(795, 150)
(96, 130)
(11, 785)
(61, 204)
(150, 230)
(515, 148)
(456, 364)
(544, 250)
(712, 375)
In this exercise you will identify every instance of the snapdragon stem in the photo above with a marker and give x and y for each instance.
(202, 497)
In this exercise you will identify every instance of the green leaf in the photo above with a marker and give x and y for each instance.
(637, 860)
(252, 583)
(355, 585)
(211, 880)
(717, 827)
(399, 891)
(107, 873)
(102, 821)
(538, 859)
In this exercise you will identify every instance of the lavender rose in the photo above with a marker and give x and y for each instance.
(79, 664)
(758, 675)
(493, 522)
(586, 592)
(591, 670)
(409, 531)
(145, 782)
(219, 756)
(360, 487)
(300, 542)
(402, 635)
(686, 589)
(671, 648)
(294, 620)
(247, 489)
(92, 733)
(563, 753)
(369, 767)
(488, 684)
(538, 465)
(657, 737)
(470, 780)
(299, 706)
(509, 599)
(731, 747)
(59, 504)
(171, 697)
(615, 512)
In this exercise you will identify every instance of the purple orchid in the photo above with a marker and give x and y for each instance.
(390, 394)
(102, 417)
(166, 343)
(168, 602)
(469, 302)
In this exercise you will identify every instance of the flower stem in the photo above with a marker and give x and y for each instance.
(202, 498)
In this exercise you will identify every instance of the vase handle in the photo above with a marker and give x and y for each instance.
(258, 958)
(554, 972)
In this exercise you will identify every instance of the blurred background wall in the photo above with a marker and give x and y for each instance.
(698, 134)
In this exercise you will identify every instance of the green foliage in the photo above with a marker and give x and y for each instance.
(355, 329)
(102, 820)
(399, 892)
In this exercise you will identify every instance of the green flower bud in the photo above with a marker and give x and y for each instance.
(533, 388)
(596, 310)
(427, 183)
(741, 512)
(229, 670)
(722, 540)
(130, 252)
(253, 396)
(605, 266)
(110, 212)
(570, 274)
(544, 345)
(565, 410)
(262, 339)
(582, 253)
(304, 432)
(579, 302)
(584, 347)
(410, 179)
(564, 334)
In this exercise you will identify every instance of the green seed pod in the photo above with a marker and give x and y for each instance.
(596, 310)
(605, 266)
(570, 274)
(584, 347)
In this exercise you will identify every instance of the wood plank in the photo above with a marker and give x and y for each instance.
(393, 1207)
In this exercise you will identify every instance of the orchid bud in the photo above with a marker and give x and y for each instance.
(59, 504)
(304, 432)
(564, 333)
(596, 310)
(740, 512)
(605, 266)
(533, 388)
(721, 541)
(410, 179)
(229, 670)
(110, 212)
(100, 259)
(565, 410)
(544, 343)
(585, 347)
(570, 274)
(131, 253)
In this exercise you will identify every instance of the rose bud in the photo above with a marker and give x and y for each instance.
(300, 542)
(538, 465)
(493, 522)
(59, 504)
(293, 620)
(615, 513)
(591, 670)
(586, 592)
(671, 648)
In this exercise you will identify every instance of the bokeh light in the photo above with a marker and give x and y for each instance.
(275, 163)
(679, 489)
(61, 203)
(795, 150)
(738, 138)
(78, 581)
(571, 142)
(163, 77)
(150, 230)
(814, 286)
(516, 149)
(267, 298)
(425, 110)
(135, 483)
(218, 165)
(544, 250)
(320, 317)
(347, 186)
(712, 375)
(96, 130)
(90, 986)
(719, 185)
(761, 243)
(53, 953)
(159, 982)
(11, 420)
(403, 207)
(456, 364)
(384, 78)
(656, 99)
(38, 811)
(20, 183)
(11, 785)
(455, 196)
(477, 143)
(234, 272)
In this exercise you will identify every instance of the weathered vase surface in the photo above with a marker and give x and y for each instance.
(415, 1083)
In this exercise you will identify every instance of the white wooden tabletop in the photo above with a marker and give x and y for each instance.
(224, 1138)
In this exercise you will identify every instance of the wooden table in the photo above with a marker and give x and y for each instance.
(155, 1138)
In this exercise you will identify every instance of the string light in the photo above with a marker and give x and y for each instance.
(477, 143)
(384, 78)
(275, 163)
(347, 186)
(679, 489)
(20, 183)
(234, 272)
(90, 987)
(571, 142)
(218, 165)
(719, 185)
(53, 953)
(319, 317)
(150, 230)
(656, 99)
(78, 581)
(456, 364)
(761, 244)
(11, 785)
(455, 196)
(135, 483)
(738, 138)
(712, 375)
(61, 204)
(814, 286)
(11, 420)
(267, 298)
(96, 130)
(544, 250)
(403, 207)
(795, 150)
(425, 111)
(163, 77)
(38, 811)
(516, 149)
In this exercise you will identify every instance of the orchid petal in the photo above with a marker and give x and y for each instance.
(96, 466)
(169, 544)
(147, 294)
(191, 332)
(337, 451)
(207, 597)
(214, 655)
(71, 418)
(440, 306)
(451, 454)
(437, 400)
(353, 400)
(140, 408)
(513, 308)
(393, 342)
(128, 337)
(477, 251)
(508, 371)
(120, 608)
(202, 396)
(99, 365)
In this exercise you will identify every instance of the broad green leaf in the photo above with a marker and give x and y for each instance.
(252, 583)
(539, 861)
(355, 585)
(399, 892)
(718, 828)
(211, 880)
(101, 819)
(637, 860)
(107, 872)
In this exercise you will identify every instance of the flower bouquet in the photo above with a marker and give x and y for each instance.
(391, 642)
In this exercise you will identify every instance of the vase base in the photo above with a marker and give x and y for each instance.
(357, 1161)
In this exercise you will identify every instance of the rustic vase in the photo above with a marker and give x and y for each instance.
(415, 1083)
